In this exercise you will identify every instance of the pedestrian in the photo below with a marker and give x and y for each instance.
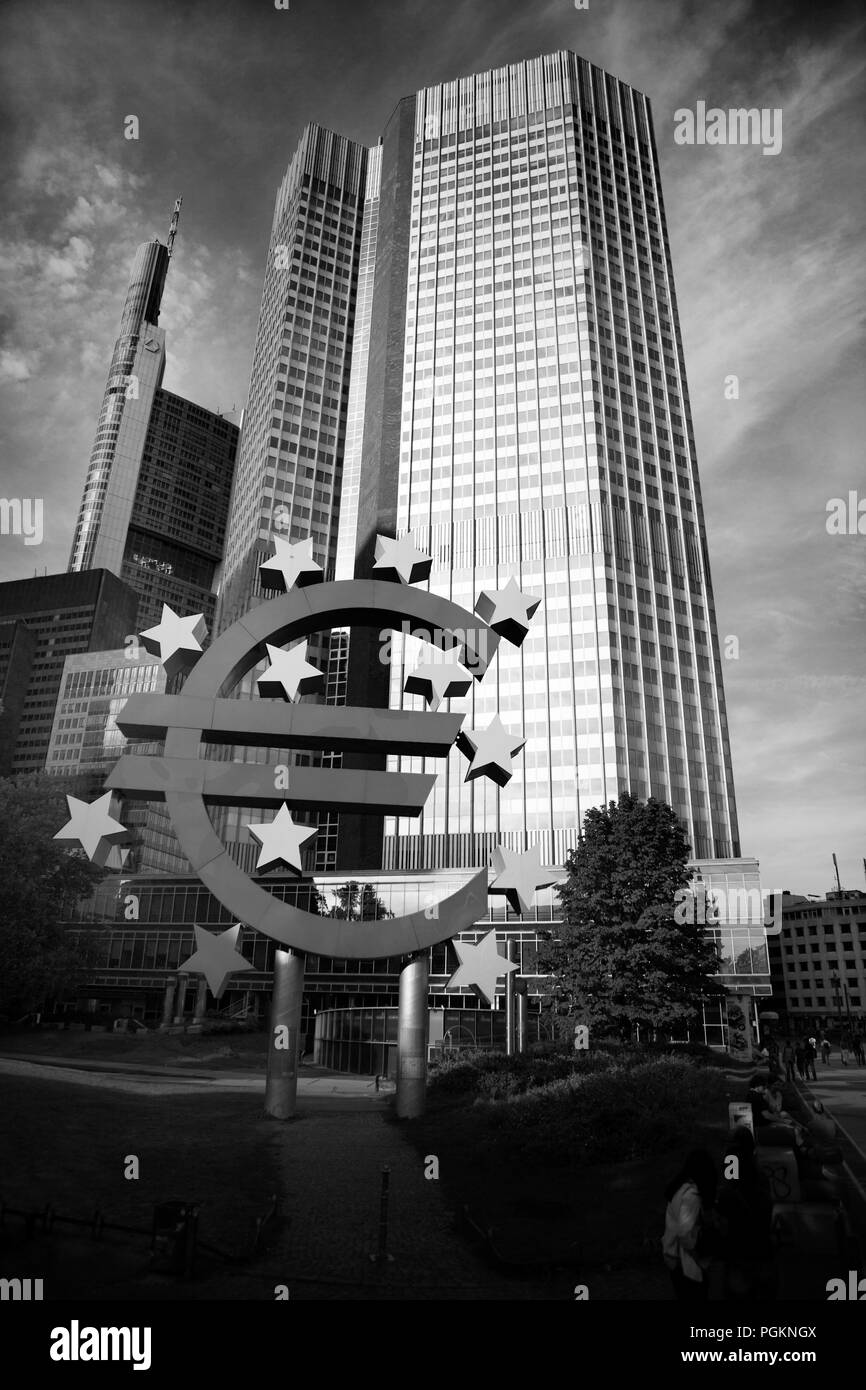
(788, 1059)
(689, 1220)
(800, 1059)
(857, 1042)
(745, 1206)
(825, 1050)
(810, 1055)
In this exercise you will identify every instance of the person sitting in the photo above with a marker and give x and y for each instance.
(822, 1127)
(690, 1198)
(745, 1205)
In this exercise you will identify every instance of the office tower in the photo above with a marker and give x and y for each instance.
(291, 451)
(17, 650)
(527, 418)
(157, 490)
(66, 614)
(818, 961)
(290, 461)
(174, 542)
(85, 741)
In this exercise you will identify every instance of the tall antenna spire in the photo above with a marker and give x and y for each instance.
(172, 229)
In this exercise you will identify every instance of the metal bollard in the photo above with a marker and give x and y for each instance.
(382, 1256)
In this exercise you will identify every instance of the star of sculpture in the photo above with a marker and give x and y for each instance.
(401, 560)
(216, 957)
(490, 751)
(289, 673)
(94, 827)
(281, 841)
(480, 966)
(519, 875)
(291, 564)
(508, 611)
(175, 640)
(439, 680)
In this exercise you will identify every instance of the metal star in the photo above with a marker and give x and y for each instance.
(401, 560)
(508, 611)
(93, 826)
(480, 966)
(281, 841)
(519, 875)
(439, 680)
(292, 564)
(216, 957)
(490, 751)
(289, 673)
(175, 640)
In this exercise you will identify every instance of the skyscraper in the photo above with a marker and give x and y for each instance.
(290, 463)
(63, 614)
(156, 495)
(527, 418)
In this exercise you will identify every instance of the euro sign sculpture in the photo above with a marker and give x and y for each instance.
(189, 784)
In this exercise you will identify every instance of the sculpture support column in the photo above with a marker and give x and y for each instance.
(180, 997)
(281, 1090)
(511, 1045)
(521, 1016)
(168, 1003)
(200, 1000)
(411, 1099)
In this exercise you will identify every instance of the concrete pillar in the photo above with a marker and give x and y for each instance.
(168, 1003)
(510, 1008)
(180, 998)
(281, 1090)
(411, 1098)
(200, 1000)
(521, 1015)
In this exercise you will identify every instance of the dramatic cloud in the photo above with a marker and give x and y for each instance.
(768, 270)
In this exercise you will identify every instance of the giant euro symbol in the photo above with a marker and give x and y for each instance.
(203, 713)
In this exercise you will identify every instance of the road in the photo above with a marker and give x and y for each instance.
(843, 1091)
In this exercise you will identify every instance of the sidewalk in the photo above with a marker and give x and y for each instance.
(333, 1164)
(137, 1078)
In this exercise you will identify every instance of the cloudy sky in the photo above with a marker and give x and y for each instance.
(768, 262)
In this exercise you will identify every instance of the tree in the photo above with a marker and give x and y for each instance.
(41, 881)
(357, 902)
(619, 958)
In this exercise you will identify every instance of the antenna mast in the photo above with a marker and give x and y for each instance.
(172, 229)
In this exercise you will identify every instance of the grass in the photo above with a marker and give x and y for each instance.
(215, 1051)
(534, 1175)
(68, 1148)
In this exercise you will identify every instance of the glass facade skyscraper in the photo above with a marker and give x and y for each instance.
(156, 495)
(543, 433)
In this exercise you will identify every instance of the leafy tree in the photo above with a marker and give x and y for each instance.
(619, 958)
(358, 902)
(41, 881)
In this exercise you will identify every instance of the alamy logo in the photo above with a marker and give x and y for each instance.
(738, 907)
(76, 1343)
(22, 516)
(854, 1293)
(738, 126)
(21, 1290)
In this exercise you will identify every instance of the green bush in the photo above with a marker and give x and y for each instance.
(604, 1115)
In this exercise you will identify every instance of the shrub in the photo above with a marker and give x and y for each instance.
(607, 1115)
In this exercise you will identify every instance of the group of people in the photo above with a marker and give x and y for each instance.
(802, 1053)
(717, 1242)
